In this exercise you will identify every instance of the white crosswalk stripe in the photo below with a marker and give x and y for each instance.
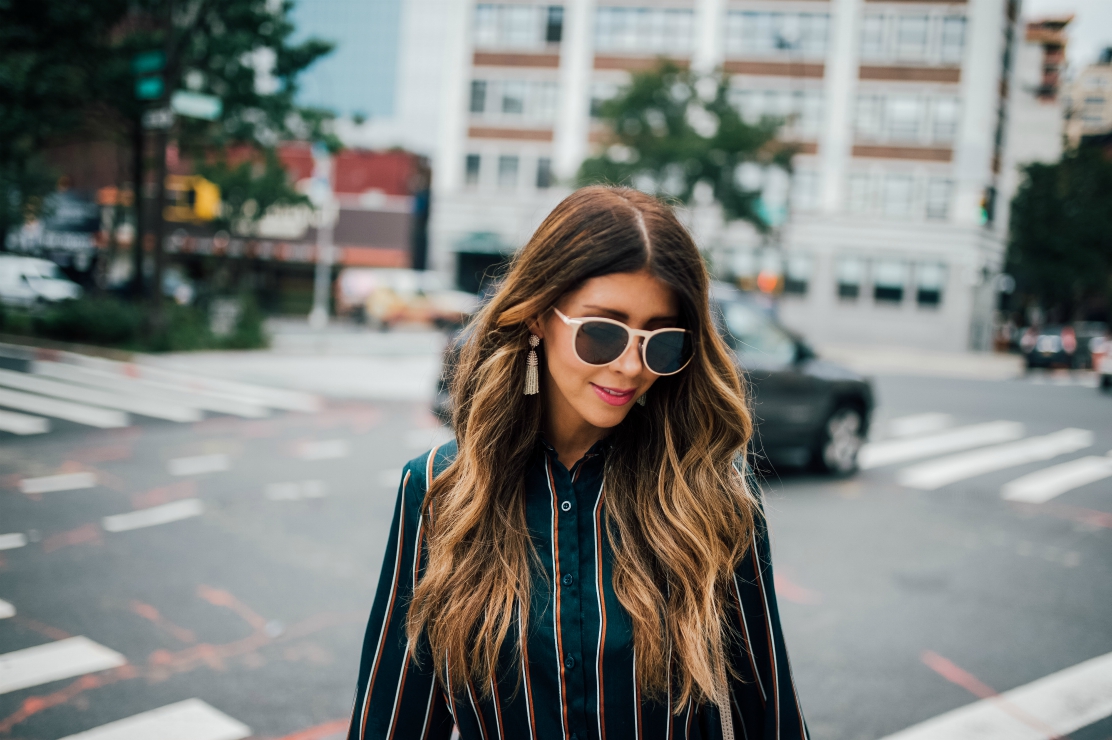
(155, 515)
(22, 424)
(1043, 485)
(68, 410)
(191, 719)
(73, 656)
(877, 454)
(936, 473)
(6, 609)
(158, 409)
(12, 541)
(1056, 705)
(62, 482)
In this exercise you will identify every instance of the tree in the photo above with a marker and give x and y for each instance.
(51, 56)
(1060, 244)
(672, 129)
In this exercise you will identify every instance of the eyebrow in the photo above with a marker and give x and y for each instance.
(624, 316)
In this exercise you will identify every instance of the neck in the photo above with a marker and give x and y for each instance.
(567, 431)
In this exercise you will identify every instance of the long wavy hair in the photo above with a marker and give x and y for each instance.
(678, 514)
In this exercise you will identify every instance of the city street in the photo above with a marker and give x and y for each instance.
(225, 567)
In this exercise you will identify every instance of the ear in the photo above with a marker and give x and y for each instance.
(536, 326)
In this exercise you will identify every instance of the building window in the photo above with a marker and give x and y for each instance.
(544, 173)
(897, 195)
(797, 274)
(600, 93)
(938, 198)
(859, 198)
(507, 171)
(929, 280)
(478, 96)
(872, 37)
(953, 38)
(911, 37)
(869, 123)
(513, 97)
(517, 26)
(554, 24)
(471, 169)
(644, 30)
(888, 281)
(904, 117)
(805, 191)
(756, 34)
(799, 110)
(850, 274)
(945, 125)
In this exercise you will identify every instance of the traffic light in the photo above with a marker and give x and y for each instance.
(988, 205)
(191, 199)
(148, 66)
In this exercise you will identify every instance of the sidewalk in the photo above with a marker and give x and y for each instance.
(887, 360)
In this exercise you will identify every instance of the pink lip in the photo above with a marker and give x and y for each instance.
(615, 396)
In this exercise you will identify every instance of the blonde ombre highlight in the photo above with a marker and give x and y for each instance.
(678, 513)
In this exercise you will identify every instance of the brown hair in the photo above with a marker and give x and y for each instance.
(678, 513)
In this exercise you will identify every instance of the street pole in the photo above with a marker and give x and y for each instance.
(320, 192)
(138, 144)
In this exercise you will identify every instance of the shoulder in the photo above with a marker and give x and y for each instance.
(423, 468)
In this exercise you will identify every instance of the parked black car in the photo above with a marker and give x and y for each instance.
(808, 412)
(1057, 347)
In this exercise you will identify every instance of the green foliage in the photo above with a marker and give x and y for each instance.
(672, 129)
(111, 322)
(249, 189)
(1060, 249)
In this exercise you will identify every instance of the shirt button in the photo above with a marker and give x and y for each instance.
(568, 578)
(566, 506)
(569, 662)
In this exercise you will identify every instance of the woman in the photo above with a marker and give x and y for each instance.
(592, 505)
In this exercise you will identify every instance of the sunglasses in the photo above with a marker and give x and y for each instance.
(601, 341)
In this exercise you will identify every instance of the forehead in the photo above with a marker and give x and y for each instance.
(633, 294)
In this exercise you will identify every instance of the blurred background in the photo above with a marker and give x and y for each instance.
(238, 240)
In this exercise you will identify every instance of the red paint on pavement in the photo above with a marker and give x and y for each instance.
(219, 597)
(164, 494)
(789, 590)
(955, 674)
(336, 728)
(32, 705)
(87, 534)
(148, 612)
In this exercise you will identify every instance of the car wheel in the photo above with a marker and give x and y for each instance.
(842, 437)
(1106, 383)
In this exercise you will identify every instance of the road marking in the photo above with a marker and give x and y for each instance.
(68, 410)
(296, 490)
(152, 389)
(6, 609)
(1065, 701)
(876, 454)
(74, 656)
(155, 515)
(909, 426)
(279, 398)
(15, 423)
(200, 464)
(325, 449)
(191, 719)
(1043, 485)
(130, 402)
(936, 473)
(12, 541)
(63, 482)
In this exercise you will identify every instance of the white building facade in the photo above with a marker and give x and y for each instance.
(898, 109)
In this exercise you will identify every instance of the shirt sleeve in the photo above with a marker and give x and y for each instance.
(765, 701)
(397, 696)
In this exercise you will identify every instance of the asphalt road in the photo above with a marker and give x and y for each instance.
(899, 603)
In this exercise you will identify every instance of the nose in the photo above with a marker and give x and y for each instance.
(629, 363)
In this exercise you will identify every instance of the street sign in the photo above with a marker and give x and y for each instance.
(196, 105)
(159, 118)
(149, 88)
(146, 62)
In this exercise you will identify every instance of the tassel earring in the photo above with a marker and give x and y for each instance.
(532, 381)
(641, 401)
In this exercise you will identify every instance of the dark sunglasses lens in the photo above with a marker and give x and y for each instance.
(600, 343)
(668, 352)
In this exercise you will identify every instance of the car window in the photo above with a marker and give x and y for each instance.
(43, 271)
(757, 341)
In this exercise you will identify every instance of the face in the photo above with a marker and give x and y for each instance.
(601, 396)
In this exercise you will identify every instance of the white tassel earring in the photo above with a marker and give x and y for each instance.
(641, 401)
(532, 381)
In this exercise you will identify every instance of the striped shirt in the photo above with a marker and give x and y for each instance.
(577, 665)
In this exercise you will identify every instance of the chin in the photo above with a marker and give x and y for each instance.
(604, 417)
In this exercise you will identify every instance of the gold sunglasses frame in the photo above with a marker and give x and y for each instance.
(632, 334)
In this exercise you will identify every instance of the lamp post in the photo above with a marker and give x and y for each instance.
(320, 193)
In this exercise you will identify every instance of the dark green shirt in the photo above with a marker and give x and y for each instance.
(578, 663)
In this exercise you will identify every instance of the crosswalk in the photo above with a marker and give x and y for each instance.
(109, 394)
(936, 452)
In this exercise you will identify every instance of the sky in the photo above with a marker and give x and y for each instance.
(1090, 31)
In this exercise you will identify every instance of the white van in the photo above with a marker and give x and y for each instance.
(29, 281)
